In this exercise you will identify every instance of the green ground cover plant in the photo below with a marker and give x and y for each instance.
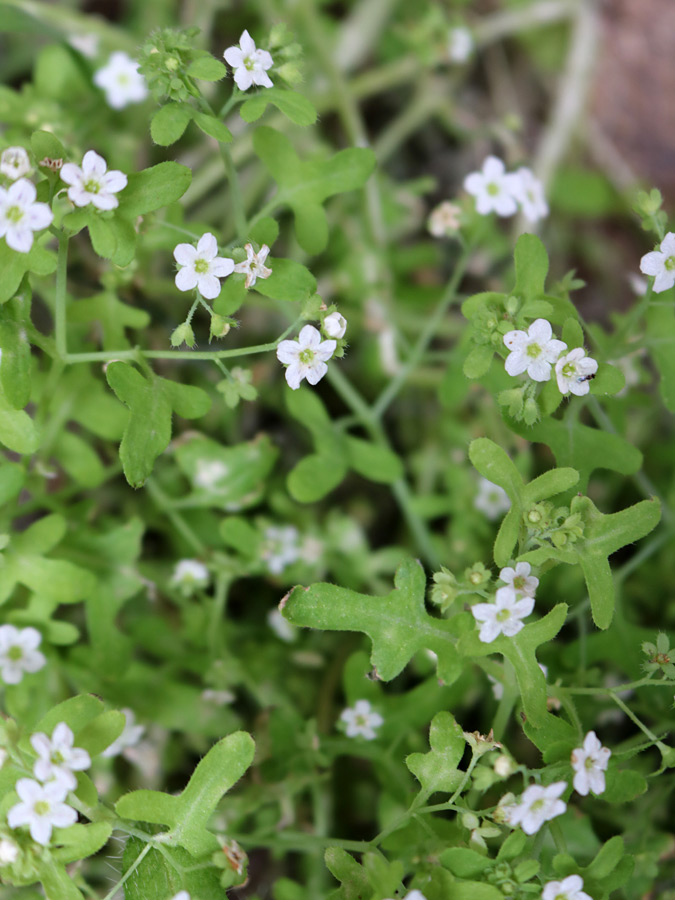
(335, 525)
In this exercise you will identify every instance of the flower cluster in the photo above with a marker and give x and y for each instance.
(549, 524)
(504, 193)
(511, 605)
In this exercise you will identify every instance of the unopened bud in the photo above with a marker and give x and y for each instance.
(183, 335)
(219, 326)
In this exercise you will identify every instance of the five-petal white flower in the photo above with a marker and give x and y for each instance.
(504, 616)
(569, 888)
(280, 547)
(250, 64)
(529, 192)
(190, 573)
(520, 579)
(20, 215)
(41, 808)
(661, 264)
(14, 163)
(254, 265)
(93, 183)
(131, 735)
(306, 357)
(590, 764)
(335, 325)
(19, 653)
(534, 350)
(121, 81)
(361, 720)
(201, 267)
(491, 499)
(493, 188)
(537, 805)
(57, 758)
(574, 371)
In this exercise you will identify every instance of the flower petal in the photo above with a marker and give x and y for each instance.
(287, 352)
(209, 286)
(184, 254)
(93, 164)
(222, 266)
(207, 248)
(186, 279)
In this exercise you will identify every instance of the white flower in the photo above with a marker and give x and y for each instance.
(219, 698)
(3, 756)
(20, 215)
(14, 163)
(460, 44)
(444, 219)
(538, 805)
(503, 616)
(181, 895)
(306, 357)
(9, 852)
(93, 183)
(493, 188)
(414, 895)
(19, 653)
(529, 192)
(335, 325)
(249, 64)
(121, 81)
(202, 267)
(491, 499)
(41, 808)
(86, 44)
(280, 547)
(520, 578)
(190, 573)
(590, 764)
(568, 889)
(254, 265)
(283, 629)
(209, 472)
(131, 735)
(574, 372)
(533, 351)
(361, 720)
(661, 264)
(57, 758)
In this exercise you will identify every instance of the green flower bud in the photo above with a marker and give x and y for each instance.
(219, 326)
(183, 335)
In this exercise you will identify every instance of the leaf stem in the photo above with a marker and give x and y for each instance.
(60, 297)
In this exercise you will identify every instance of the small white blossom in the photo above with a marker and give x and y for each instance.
(93, 183)
(283, 629)
(121, 81)
(537, 805)
(493, 188)
(460, 44)
(9, 852)
(534, 351)
(41, 808)
(503, 616)
(529, 192)
(131, 735)
(20, 215)
(181, 895)
(335, 325)
(219, 698)
(661, 264)
(3, 756)
(190, 573)
(209, 472)
(569, 888)
(306, 357)
(254, 265)
(19, 653)
(250, 64)
(280, 547)
(14, 163)
(590, 764)
(414, 895)
(57, 758)
(574, 371)
(86, 44)
(201, 267)
(361, 720)
(520, 578)
(491, 499)
(444, 219)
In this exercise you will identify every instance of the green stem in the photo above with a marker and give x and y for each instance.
(164, 504)
(60, 297)
(129, 872)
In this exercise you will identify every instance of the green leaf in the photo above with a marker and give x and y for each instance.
(373, 461)
(478, 362)
(14, 266)
(76, 712)
(207, 68)
(17, 429)
(265, 231)
(45, 144)
(98, 734)
(289, 280)
(305, 185)
(397, 623)
(293, 105)
(623, 786)
(437, 770)
(153, 188)
(609, 381)
(169, 123)
(12, 478)
(79, 841)
(160, 876)
(353, 877)
(661, 344)
(475, 890)
(521, 653)
(609, 856)
(315, 476)
(188, 814)
(213, 127)
(102, 237)
(15, 370)
(465, 863)
(531, 262)
(572, 334)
